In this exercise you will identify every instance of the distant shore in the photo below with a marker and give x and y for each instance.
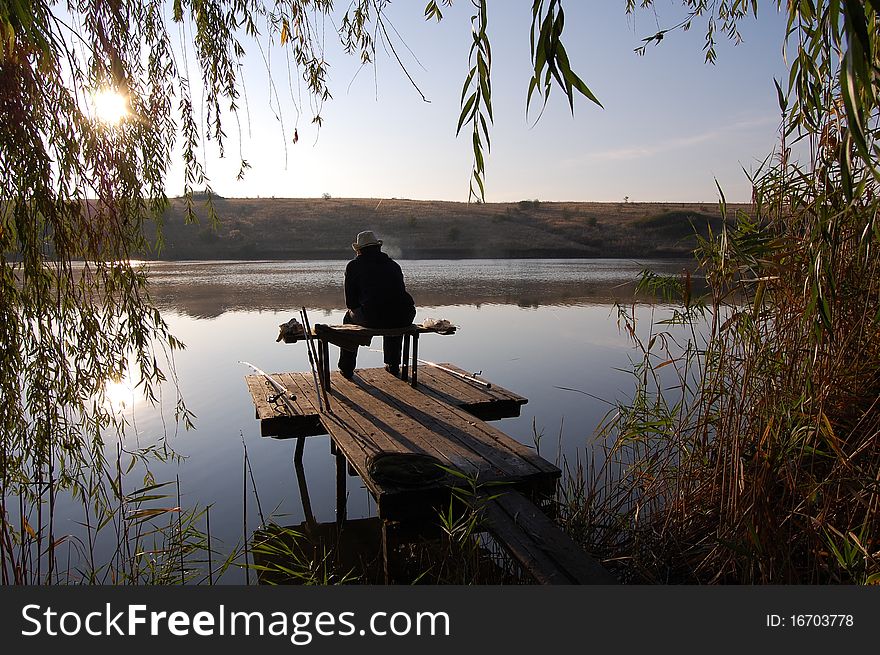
(285, 229)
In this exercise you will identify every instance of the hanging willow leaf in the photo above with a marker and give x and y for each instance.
(476, 110)
(433, 11)
(549, 57)
(466, 112)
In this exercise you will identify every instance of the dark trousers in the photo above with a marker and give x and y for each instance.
(391, 346)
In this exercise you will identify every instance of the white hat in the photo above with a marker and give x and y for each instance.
(366, 238)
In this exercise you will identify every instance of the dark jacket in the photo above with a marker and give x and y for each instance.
(375, 292)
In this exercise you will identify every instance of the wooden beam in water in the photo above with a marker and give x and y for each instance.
(539, 546)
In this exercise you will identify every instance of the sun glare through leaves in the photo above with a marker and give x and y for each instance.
(110, 106)
(119, 395)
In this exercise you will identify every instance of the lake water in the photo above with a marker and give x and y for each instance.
(533, 326)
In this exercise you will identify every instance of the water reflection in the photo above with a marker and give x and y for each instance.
(119, 395)
(209, 289)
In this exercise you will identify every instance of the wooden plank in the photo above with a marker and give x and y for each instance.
(381, 379)
(276, 419)
(367, 419)
(260, 390)
(495, 391)
(304, 386)
(300, 402)
(455, 429)
(535, 563)
(351, 421)
(443, 386)
(405, 431)
(441, 380)
(485, 403)
(346, 433)
(517, 461)
(539, 545)
(479, 435)
(391, 502)
(435, 383)
(468, 391)
(359, 439)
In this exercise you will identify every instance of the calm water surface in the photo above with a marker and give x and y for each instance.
(531, 326)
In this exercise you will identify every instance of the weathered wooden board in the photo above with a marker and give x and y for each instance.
(487, 403)
(276, 421)
(538, 545)
(456, 426)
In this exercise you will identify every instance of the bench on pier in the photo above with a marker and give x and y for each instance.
(351, 336)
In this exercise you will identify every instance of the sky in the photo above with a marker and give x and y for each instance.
(671, 125)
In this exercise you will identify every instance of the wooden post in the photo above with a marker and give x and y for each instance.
(389, 543)
(303, 487)
(415, 359)
(341, 491)
(404, 364)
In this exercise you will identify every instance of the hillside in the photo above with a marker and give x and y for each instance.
(324, 228)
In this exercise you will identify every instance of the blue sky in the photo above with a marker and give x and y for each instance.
(671, 124)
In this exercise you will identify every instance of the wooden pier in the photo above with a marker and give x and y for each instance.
(376, 413)
(438, 418)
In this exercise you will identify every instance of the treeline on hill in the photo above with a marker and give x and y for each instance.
(323, 228)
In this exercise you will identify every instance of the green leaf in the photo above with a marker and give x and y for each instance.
(856, 22)
(433, 11)
(467, 83)
(825, 313)
(478, 151)
(465, 112)
(533, 84)
(573, 80)
(851, 103)
(485, 132)
(780, 96)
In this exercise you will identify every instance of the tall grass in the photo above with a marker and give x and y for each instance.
(130, 531)
(450, 547)
(749, 450)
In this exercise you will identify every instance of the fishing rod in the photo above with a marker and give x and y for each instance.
(468, 378)
(312, 368)
(324, 366)
(464, 376)
(282, 393)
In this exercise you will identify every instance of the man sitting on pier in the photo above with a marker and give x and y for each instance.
(376, 298)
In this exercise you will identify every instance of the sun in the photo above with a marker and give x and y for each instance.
(111, 107)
